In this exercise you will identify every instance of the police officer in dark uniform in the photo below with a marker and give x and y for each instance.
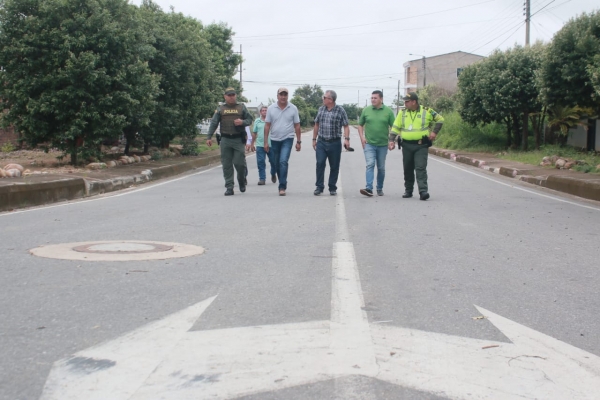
(233, 118)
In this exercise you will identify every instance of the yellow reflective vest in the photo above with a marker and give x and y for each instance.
(413, 125)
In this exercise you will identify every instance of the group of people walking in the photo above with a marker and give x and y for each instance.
(413, 130)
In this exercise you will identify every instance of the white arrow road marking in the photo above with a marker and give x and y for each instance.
(116, 369)
(165, 361)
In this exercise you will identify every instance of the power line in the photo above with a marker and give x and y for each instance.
(368, 24)
(511, 11)
(377, 32)
(543, 8)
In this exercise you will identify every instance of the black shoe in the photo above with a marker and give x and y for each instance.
(349, 148)
(380, 193)
(333, 193)
(242, 188)
(423, 196)
(318, 191)
(366, 192)
(406, 195)
(229, 192)
(274, 178)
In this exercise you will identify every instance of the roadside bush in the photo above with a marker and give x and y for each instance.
(189, 146)
(459, 135)
(7, 147)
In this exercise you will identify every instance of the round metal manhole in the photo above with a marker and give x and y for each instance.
(117, 250)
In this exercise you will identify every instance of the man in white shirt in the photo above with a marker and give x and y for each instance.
(281, 123)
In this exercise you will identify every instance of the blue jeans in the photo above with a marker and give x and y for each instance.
(260, 162)
(375, 154)
(281, 151)
(331, 151)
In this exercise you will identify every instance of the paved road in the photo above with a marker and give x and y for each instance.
(263, 313)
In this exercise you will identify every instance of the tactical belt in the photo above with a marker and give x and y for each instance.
(234, 136)
(330, 140)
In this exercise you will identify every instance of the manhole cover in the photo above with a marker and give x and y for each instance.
(122, 248)
(117, 250)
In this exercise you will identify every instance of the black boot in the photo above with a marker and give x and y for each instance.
(406, 195)
(229, 192)
(423, 195)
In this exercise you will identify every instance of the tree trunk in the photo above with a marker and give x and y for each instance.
(146, 145)
(126, 146)
(508, 133)
(525, 135)
(74, 154)
(516, 130)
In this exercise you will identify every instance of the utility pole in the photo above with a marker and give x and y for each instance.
(241, 68)
(358, 98)
(424, 69)
(424, 72)
(398, 100)
(527, 14)
(525, 133)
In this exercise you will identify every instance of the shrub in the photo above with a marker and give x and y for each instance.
(7, 147)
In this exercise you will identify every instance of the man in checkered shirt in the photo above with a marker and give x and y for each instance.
(327, 141)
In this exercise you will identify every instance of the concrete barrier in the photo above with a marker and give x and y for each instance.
(29, 194)
(588, 188)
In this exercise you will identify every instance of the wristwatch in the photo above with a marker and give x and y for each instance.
(299, 141)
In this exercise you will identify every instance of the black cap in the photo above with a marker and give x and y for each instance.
(411, 96)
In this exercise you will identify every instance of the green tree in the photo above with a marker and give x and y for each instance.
(594, 72)
(68, 70)
(352, 110)
(225, 60)
(502, 89)
(312, 95)
(567, 74)
(190, 85)
(305, 112)
(308, 99)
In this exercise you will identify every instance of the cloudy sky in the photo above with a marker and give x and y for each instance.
(355, 47)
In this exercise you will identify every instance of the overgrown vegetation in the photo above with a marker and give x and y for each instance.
(457, 134)
(7, 147)
(590, 159)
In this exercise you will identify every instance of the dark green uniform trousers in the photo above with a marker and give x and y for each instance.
(233, 154)
(414, 157)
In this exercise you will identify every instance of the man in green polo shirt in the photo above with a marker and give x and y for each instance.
(374, 127)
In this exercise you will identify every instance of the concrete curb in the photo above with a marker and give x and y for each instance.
(29, 194)
(586, 187)
(22, 194)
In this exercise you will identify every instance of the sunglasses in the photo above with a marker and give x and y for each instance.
(231, 94)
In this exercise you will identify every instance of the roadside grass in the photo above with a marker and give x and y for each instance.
(491, 138)
(534, 157)
(458, 135)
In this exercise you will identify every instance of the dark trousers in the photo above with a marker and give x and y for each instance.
(331, 151)
(414, 157)
(233, 154)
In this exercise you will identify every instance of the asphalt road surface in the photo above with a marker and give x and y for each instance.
(487, 290)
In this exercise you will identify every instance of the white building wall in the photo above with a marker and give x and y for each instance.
(577, 137)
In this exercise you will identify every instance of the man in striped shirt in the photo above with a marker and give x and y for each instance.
(327, 141)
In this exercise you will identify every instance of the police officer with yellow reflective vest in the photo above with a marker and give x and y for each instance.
(417, 127)
(233, 118)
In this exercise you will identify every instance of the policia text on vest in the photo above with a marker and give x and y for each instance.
(233, 119)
